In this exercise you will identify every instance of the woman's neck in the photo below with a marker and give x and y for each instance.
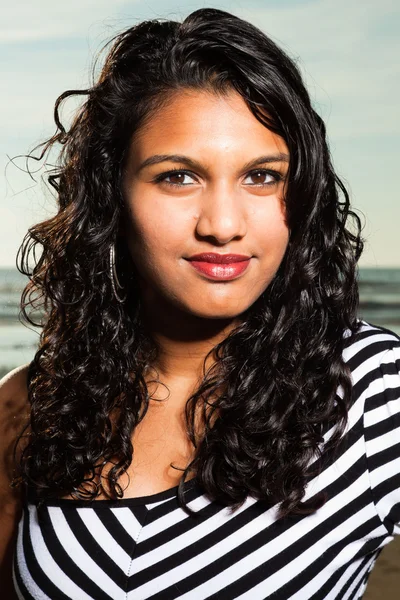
(184, 342)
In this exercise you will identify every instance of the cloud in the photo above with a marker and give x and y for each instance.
(26, 21)
(348, 53)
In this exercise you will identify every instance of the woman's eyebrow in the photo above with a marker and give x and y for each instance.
(194, 164)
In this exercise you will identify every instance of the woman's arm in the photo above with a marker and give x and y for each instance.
(13, 416)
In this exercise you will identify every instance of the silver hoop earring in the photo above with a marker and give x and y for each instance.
(114, 277)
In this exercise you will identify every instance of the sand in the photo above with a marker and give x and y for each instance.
(384, 581)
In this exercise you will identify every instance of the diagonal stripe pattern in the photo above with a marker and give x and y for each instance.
(149, 548)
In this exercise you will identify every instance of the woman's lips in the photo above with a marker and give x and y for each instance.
(220, 271)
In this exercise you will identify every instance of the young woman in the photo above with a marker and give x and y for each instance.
(205, 416)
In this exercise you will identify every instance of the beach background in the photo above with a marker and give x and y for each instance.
(380, 305)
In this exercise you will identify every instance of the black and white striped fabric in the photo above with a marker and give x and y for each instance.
(149, 547)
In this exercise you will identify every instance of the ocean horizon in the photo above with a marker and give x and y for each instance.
(379, 305)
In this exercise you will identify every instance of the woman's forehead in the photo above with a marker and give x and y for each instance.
(203, 122)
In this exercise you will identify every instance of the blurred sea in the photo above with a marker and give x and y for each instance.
(379, 294)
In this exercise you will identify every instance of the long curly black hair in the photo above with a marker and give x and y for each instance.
(273, 390)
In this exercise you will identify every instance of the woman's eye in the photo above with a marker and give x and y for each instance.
(178, 176)
(263, 177)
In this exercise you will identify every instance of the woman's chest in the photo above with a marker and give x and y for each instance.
(152, 549)
(161, 452)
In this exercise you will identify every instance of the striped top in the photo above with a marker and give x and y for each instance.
(148, 547)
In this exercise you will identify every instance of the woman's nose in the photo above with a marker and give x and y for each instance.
(222, 214)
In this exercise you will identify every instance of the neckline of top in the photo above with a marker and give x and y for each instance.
(127, 502)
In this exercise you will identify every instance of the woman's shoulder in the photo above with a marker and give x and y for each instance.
(369, 344)
(17, 376)
(373, 357)
(14, 389)
(14, 404)
(14, 414)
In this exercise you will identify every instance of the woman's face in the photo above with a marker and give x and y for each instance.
(218, 203)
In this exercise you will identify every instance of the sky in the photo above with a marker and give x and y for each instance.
(348, 53)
